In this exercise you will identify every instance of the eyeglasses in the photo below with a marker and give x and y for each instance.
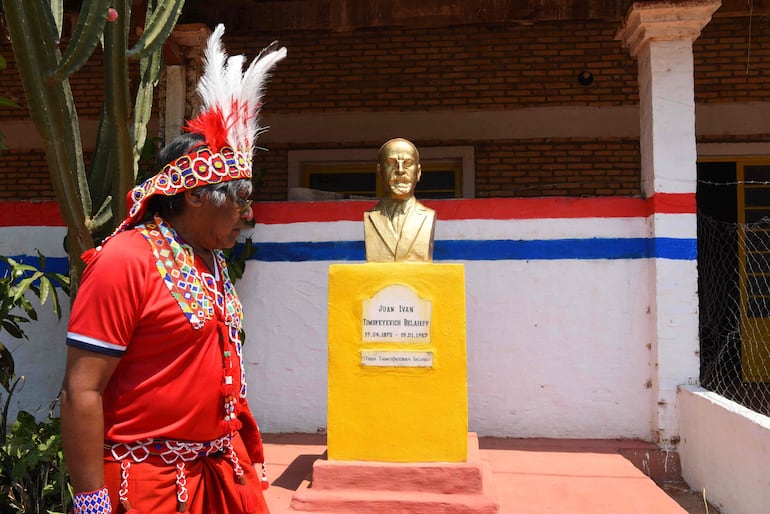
(243, 204)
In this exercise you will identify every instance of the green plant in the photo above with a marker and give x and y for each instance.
(33, 477)
(236, 258)
(32, 473)
(90, 202)
(20, 278)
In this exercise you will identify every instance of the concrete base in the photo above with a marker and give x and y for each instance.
(393, 488)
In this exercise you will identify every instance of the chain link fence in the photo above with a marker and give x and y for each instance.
(734, 291)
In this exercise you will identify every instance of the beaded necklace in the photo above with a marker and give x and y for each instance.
(200, 300)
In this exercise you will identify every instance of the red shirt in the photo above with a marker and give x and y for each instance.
(168, 383)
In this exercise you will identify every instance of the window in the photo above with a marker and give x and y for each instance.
(734, 260)
(447, 172)
(754, 268)
(438, 179)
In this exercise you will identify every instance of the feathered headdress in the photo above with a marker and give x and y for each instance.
(228, 121)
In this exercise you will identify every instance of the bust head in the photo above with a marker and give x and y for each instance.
(398, 168)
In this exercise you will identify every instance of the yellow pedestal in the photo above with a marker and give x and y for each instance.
(397, 363)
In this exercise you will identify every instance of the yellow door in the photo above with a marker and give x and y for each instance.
(754, 270)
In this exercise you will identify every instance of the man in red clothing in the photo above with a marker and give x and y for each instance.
(154, 411)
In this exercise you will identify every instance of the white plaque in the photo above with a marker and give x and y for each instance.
(397, 359)
(396, 315)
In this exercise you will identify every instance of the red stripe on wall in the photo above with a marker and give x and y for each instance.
(492, 208)
(30, 214)
(14, 214)
(673, 203)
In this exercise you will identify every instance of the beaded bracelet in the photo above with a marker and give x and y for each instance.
(263, 477)
(94, 502)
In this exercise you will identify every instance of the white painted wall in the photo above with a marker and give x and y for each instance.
(558, 348)
(725, 449)
(285, 349)
(40, 359)
(555, 348)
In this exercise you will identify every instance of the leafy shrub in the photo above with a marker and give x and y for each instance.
(33, 477)
(32, 473)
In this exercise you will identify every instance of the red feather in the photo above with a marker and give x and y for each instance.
(212, 126)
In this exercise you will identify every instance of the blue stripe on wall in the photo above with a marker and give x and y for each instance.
(52, 264)
(675, 249)
(307, 251)
(494, 250)
(484, 250)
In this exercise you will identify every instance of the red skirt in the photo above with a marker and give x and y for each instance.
(210, 484)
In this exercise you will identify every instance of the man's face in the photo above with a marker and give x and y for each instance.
(399, 170)
(223, 223)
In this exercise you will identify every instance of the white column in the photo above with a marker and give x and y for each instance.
(660, 36)
(174, 109)
(179, 98)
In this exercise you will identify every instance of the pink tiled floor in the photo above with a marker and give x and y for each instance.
(531, 476)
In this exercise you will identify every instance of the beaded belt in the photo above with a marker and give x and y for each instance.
(171, 452)
(168, 450)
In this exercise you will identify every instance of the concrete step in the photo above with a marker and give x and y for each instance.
(390, 502)
(393, 487)
(428, 477)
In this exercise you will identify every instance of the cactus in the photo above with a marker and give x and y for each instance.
(34, 27)
(85, 37)
(161, 23)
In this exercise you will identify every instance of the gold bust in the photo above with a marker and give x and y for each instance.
(399, 228)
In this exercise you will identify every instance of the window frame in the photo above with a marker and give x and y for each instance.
(462, 156)
(754, 351)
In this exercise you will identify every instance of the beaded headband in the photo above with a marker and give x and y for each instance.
(228, 121)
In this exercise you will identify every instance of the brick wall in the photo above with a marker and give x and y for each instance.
(541, 167)
(88, 92)
(25, 176)
(732, 61)
(473, 67)
(273, 165)
(467, 68)
(508, 67)
(86, 84)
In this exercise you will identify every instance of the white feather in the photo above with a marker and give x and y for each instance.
(224, 84)
(214, 59)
